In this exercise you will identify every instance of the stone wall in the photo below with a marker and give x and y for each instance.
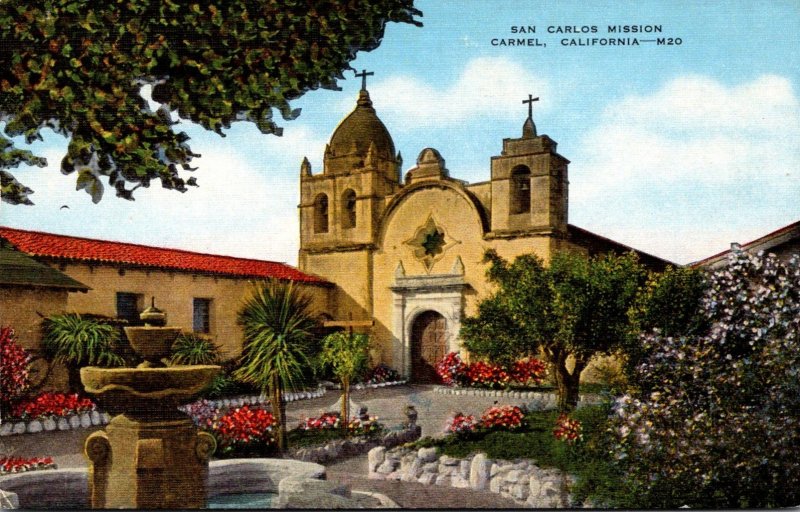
(527, 484)
(341, 448)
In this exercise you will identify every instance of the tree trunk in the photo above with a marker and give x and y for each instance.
(74, 379)
(278, 411)
(346, 406)
(568, 384)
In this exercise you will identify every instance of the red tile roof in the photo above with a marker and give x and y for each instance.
(40, 244)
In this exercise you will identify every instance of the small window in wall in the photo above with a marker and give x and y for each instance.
(321, 214)
(201, 315)
(349, 209)
(129, 305)
(520, 189)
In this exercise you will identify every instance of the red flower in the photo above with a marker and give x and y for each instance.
(567, 430)
(502, 417)
(20, 464)
(243, 426)
(14, 360)
(52, 404)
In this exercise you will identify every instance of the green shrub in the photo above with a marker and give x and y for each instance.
(77, 341)
(192, 348)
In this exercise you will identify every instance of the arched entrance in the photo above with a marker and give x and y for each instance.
(428, 345)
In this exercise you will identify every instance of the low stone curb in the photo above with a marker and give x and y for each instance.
(359, 387)
(239, 401)
(522, 481)
(542, 398)
(51, 423)
(342, 448)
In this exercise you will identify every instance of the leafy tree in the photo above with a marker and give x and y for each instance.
(75, 341)
(671, 304)
(277, 321)
(719, 423)
(347, 354)
(494, 334)
(78, 68)
(574, 309)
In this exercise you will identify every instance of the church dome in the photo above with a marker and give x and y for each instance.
(359, 130)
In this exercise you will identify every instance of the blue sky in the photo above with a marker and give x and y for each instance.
(676, 150)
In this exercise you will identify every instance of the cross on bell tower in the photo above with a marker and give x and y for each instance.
(364, 76)
(529, 128)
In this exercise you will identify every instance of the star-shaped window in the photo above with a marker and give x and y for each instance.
(429, 243)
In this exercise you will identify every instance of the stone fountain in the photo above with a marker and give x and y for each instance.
(150, 455)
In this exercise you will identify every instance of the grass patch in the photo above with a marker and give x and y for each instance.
(589, 460)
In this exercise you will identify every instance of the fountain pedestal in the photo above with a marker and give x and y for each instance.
(150, 455)
(149, 464)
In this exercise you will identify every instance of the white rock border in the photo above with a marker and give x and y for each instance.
(544, 398)
(522, 480)
(239, 401)
(52, 423)
(361, 386)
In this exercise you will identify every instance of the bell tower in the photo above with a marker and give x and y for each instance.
(341, 208)
(529, 184)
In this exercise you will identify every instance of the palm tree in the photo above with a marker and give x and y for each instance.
(277, 323)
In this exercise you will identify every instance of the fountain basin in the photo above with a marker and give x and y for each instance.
(69, 488)
(121, 390)
(152, 343)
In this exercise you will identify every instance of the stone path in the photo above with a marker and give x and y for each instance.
(66, 447)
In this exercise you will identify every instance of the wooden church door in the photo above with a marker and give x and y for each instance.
(428, 344)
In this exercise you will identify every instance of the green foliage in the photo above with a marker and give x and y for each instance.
(278, 325)
(346, 354)
(715, 422)
(670, 302)
(78, 68)
(192, 348)
(78, 341)
(577, 307)
(494, 335)
(598, 477)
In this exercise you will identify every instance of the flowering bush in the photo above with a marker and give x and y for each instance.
(19, 464)
(52, 404)
(568, 430)
(481, 374)
(528, 371)
(326, 421)
(203, 414)
(381, 373)
(461, 424)
(14, 360)
(365, 427)
(502, 417)
(453, 371)
(244, 429)
(717, 421)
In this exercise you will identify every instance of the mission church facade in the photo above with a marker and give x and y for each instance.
(407, 253)
(400, 256)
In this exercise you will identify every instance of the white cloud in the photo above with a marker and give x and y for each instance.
(487, 86)
(694, 129)
(246, 204)
(692, 167)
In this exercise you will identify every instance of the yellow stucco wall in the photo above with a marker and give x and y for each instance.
(21, 308)
(173, 292)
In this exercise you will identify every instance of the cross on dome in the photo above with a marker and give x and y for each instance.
(364, 76)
